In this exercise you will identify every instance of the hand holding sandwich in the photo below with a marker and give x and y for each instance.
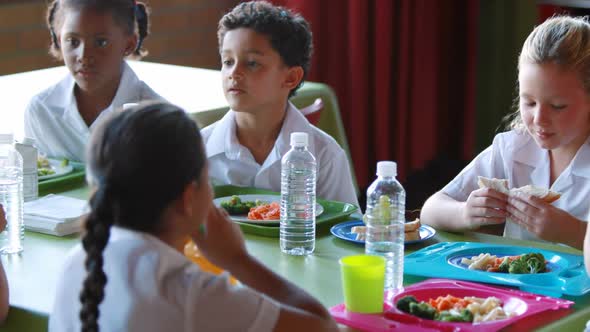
(485, 206)
(544, 220)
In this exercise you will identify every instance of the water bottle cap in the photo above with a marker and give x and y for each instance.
(6, 138)
(387, 168)
(299, 139)
(127, 106)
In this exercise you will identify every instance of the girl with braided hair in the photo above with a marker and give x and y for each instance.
(148, 170)
(93, 38)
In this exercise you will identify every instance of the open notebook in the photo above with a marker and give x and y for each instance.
(55, 214)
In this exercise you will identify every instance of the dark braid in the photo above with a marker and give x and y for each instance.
(129, 14)
(141, 16)
(98, 226)
(129, 159)
(54, 46)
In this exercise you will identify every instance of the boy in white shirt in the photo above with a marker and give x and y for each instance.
(549, 147)
(265, 52)
(151, 193)
(93, 38)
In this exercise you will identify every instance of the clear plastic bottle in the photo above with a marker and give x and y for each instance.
(385, 218)
(11, 194)
(298, 198)
(28, 151)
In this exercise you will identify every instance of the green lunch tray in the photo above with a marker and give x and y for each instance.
(66, 182)
(334, 211)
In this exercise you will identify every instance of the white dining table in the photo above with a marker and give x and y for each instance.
(194, 89)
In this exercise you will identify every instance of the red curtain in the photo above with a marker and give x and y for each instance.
(404, 74)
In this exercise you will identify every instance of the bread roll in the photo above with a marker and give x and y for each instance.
(412, 236)
(412, 225)
(543, 193)
(501, 185)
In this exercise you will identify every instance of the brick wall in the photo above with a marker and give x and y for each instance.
(183, 33)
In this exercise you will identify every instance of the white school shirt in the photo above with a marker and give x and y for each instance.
(518, 158)
(152, 287)
(53, 120)
(232, 163)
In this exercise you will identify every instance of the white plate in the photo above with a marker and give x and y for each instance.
(319, 209)
(58, 168)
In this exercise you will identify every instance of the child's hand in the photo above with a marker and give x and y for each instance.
(485, 207)
(2, 219)
(545, 220)
(222, 242)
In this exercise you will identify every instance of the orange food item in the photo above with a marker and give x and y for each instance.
(192, 252)
(449, 302)
(270, 211)
(495, 266)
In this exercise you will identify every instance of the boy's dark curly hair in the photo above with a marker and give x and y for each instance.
(289, 33)
(129, 14)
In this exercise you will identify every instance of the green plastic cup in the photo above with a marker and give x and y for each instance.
(363, 283)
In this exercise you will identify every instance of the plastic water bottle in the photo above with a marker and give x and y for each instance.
(28, 151)
(11, 194)
(298, 181)
(385, 218)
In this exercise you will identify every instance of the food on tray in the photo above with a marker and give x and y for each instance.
(411, 229)
(501, 185)
(450, 308)
(236, 206)
(43, 167)
(270, 211)
(520, 264)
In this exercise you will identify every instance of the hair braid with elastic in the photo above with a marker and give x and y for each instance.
(98, 226)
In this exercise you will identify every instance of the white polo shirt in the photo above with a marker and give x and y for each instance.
(53, 120)
(232, 163)
(518, 158)
(152, 287)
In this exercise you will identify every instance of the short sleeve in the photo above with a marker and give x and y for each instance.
(489, 163)
(212, 304)
(334, 178)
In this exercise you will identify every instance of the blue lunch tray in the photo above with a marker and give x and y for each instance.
(567, 274)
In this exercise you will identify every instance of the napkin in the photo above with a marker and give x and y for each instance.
(55, 214)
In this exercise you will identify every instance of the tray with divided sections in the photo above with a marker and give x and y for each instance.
(566, 273)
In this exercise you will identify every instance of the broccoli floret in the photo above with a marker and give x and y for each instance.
(464, 316)
(505, 265)
(403, 304)
(235, 205)
(422, 310)
(528, 263)
(518, 266)
(535, 262)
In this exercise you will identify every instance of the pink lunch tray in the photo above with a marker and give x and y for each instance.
(524, 304)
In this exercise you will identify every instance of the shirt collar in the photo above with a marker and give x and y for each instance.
(223, 137)
(295, 121)
(580, 165)
(529, 153)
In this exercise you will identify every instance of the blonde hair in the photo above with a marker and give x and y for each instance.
(562, 40)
